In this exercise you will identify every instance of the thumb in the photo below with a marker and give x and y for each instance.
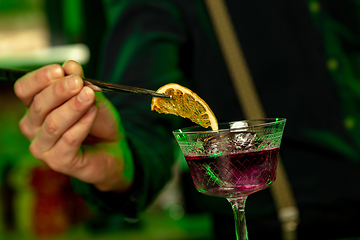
(73, 67)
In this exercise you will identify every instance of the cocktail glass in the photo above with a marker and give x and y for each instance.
(233, 162)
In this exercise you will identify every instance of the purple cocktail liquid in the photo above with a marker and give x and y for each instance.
(234, 175)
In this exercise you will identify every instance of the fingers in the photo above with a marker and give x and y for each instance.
(61, 113)
(44, 90)
(45, 102)
(34, 82)
(68, 146)
(64, 129)
(62, 118)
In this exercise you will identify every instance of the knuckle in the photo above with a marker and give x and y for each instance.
(53, 162)
(51, 126)
(36, 104)
(18, 89)
(70, 139)
(24, 128)
(34, 150)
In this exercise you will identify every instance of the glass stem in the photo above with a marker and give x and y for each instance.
(238, 206)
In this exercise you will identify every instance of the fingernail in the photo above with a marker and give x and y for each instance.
(55, 72)
(84, 96)
(71, 82)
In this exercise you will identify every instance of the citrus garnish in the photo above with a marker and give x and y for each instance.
(184, 103)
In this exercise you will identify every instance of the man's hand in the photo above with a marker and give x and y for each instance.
(70, 132)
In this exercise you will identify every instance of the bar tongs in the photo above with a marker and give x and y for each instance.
(14, 74)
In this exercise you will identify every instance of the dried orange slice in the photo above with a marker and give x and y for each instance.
(184, 103)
